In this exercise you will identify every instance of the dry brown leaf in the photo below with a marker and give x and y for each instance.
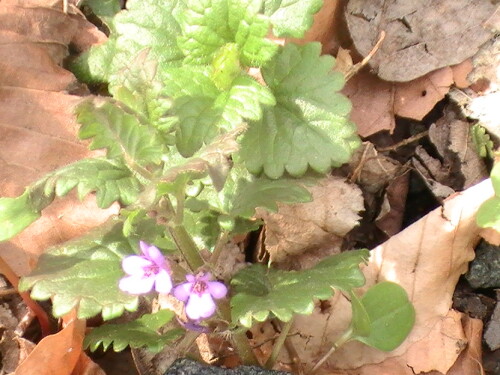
(416, 98)
(37, 123)
(320, 224)
(426, 259)
(421, 36)
(56, 354)
(376, 102)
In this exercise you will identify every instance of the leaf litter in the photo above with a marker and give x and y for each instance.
(443, 339)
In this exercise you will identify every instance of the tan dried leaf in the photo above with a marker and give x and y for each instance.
(426, 259)
(320, 224)
(37, 123)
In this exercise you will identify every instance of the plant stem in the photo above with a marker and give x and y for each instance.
(219, 246)
(187, 247)
(278, 345)
(240, 339)
(182, 239)
(341, 341)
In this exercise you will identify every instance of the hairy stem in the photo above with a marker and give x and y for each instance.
(341, 341)
(278, 345)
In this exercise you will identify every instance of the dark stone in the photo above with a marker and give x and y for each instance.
(185, 366)
(492, 332)
(484, 271)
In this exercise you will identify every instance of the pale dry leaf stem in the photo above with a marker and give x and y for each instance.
(404, 142)
(357, 67)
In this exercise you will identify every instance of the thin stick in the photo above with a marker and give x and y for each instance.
(404, 142)
(357, 67)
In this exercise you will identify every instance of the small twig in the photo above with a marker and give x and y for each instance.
(404, 142)
(294, 356)
(357, 171)
(357, 67)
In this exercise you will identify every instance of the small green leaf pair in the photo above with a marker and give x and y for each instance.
(383, 317)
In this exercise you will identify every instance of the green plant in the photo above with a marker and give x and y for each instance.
(194, 144)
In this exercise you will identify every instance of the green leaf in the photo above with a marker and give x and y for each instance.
(309, 126)
(209, 25)
(391, 316)
(265, 193)
(360, 323)
(104, 9)
(488, 215)
(202, 110)
(110, 179)
(139, 333)
(291, 18)
(119, 132)
(145, 24)
(260, 291)
(138, 87)
(482, 141)
(84, 273)
(16, 214)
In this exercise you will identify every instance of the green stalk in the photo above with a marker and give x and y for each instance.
(187, 247)
(219, 246)
(239, 338)
(278, 345)
(341, 341)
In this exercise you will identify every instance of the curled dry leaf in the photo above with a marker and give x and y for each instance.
(318, 225)
(37, 122)
(421, 36)
(426, 259)
(376, 102)
(56, 354)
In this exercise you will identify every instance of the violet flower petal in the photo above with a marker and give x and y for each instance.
(151, 252)
(182, 291)
(135, 265)
(163, 282)
(217, 289)
(200, 307)
(136, 285)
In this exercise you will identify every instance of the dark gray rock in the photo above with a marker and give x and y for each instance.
(492, 332)
(484, 271)
(185, 366)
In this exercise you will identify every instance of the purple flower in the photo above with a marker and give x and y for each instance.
(145, 271)
(198, 293)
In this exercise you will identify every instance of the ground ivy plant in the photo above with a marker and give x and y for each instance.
(207, 119)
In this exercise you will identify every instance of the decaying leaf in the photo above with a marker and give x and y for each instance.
(427, 259)
(56, 354)
(319, 225)
(37, 122)
(421, 36)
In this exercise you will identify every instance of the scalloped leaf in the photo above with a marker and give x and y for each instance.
(260, 291)
(209, 25)
(309, 126)
(291, 18)
(120, 133)
(139, 333)
(202, 110)
(16, 214)
(110, 179)
(390, 314)
(84, 273)
(144, 24)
